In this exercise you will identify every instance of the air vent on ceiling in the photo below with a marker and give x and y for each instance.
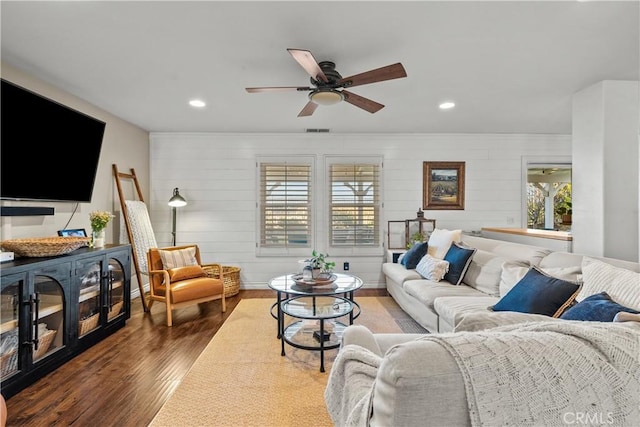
(317, 130)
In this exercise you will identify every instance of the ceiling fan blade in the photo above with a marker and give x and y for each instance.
(276, 89)
(390, 72)
(362, 102)
(309, 63)
(308, 109)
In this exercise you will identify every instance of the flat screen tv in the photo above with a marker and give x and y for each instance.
(49, 152)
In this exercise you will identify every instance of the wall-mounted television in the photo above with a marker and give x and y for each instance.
(48, 152)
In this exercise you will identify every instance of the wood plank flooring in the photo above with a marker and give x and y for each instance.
(125, 379)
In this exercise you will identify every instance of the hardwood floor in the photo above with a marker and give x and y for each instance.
(125, 379)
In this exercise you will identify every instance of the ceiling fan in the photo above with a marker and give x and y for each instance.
(328, 85)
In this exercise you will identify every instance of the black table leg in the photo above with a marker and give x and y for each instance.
(321, 345)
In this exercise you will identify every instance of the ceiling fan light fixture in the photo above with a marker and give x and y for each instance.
(326, 96)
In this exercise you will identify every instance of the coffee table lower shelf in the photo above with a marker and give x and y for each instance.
(316, 316)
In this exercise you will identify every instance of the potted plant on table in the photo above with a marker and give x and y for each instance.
(321, 268)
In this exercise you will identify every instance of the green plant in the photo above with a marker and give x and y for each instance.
(416, 237)
(319, 260)
(99, 220)
(565, 208)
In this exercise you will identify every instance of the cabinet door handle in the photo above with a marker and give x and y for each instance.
(34, 312)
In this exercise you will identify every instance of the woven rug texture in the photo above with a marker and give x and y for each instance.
(240, 379)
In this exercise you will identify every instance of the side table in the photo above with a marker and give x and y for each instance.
(312, 331)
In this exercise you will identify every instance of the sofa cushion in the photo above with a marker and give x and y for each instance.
(453, 309)
(187, 272)
(398, 273)
(440, 241)
(432, 268)
(413, 256)
(539, 293)
(622, 285)
(597, 308)
(427, 291)
(516, 251)
(484, 272)
(459, 258)
(514, 271)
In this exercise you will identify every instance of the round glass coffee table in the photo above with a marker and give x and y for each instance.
(287, 286)
(315, 328)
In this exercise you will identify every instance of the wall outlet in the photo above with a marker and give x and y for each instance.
(345, 266)
(510, 220)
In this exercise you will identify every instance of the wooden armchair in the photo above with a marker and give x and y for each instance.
(176, 277)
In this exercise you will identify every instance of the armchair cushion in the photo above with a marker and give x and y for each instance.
(178, 258)
(186, 272)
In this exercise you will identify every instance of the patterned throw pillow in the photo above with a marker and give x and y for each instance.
(178, 258)
(432, 268)
(459, 258)
(538, 293)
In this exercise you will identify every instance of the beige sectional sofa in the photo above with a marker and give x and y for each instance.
(442, 307)
(484, 367)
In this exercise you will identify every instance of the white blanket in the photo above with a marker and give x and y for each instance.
(533, 374)
(350, 385)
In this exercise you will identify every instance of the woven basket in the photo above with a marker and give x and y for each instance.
(9, 363)
(44, 246)
(115, 310)
(231, 277)
(44, 343)
(88, 324)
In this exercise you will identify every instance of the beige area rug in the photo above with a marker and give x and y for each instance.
(240, 379)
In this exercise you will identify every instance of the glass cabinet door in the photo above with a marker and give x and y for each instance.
(47, 316)
(9, 337)
(115, 289)
(89, 303)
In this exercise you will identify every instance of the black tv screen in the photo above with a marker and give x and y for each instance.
(49, 152)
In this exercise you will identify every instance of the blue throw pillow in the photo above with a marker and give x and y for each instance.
(459, 258)
(413, 256)
(538, 293)
(596, 308)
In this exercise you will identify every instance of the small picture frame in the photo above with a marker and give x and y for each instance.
(75, 232)
(443, 185)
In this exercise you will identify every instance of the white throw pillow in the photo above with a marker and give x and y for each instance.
(514, 271)
(178, 258)
(432, 268)
(440, 241)
(622, 285)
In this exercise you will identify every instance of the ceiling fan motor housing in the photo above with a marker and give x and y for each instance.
(329, 70)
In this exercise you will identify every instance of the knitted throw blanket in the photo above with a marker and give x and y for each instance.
(549, 373)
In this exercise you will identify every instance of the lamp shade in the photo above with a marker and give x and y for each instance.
(177, 200)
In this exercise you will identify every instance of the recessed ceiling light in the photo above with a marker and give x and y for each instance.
(447, 105)
(197, 103)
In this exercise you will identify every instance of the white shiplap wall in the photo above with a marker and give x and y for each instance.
(216, 174)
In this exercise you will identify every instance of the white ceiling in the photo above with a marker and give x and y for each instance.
(511, 67)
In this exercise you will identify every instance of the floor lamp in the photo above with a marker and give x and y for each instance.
(176, 201)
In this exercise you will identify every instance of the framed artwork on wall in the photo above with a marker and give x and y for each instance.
(443, 185)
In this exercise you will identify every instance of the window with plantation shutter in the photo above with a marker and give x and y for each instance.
(355, 204)
(285, 206)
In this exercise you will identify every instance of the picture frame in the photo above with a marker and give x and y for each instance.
(75, 232)
(443, 185)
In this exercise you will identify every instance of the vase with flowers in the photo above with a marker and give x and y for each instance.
(99, 221)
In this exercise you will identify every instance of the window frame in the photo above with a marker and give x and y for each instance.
(375, 250)
(298, 251)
